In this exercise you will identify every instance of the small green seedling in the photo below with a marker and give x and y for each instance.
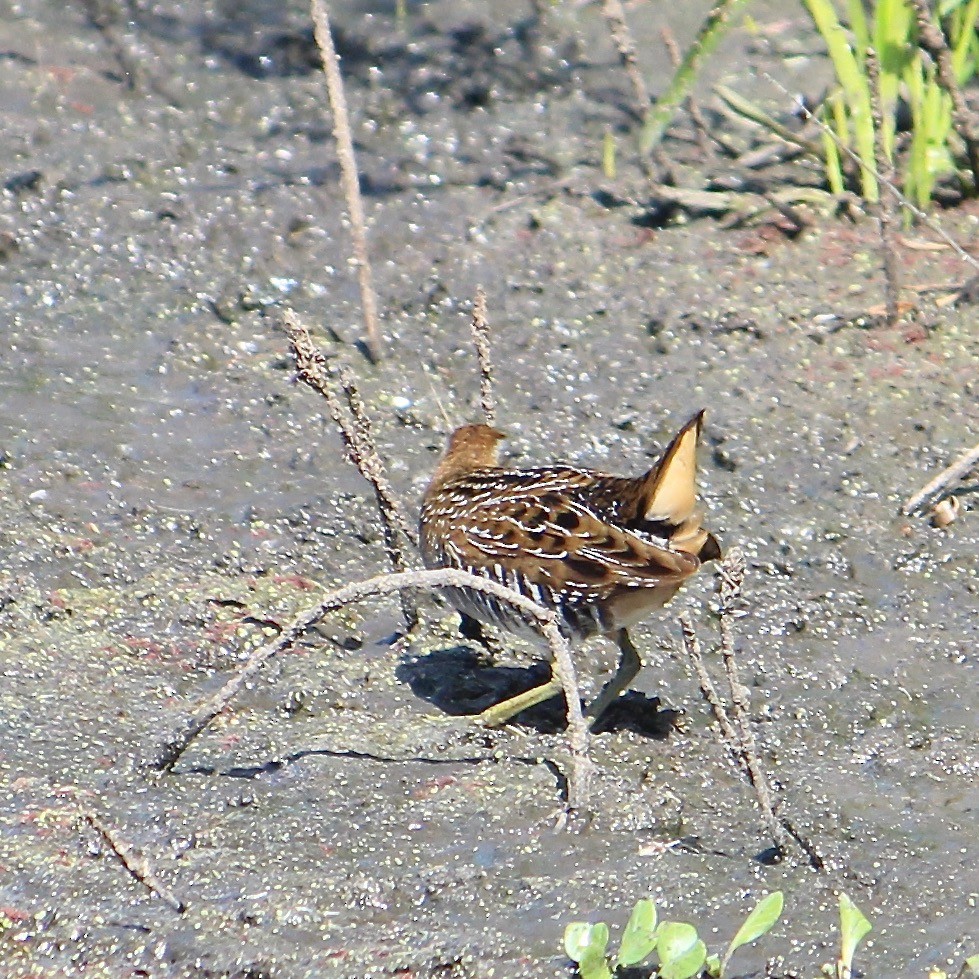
(681, 952)
(759, 922)
(853, 929)
(586, 943)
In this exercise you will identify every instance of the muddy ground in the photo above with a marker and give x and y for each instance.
(169, 495)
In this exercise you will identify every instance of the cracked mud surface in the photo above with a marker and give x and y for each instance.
(168, 495)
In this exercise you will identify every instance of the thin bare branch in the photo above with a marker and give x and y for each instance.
(887, 207)
(732, 578)
(348, 173)
(618, 27)
(137, 865)
(481, 340)
(943, 482)
(746, 109)
(736, 734)
(357, 433)
(691, 643)
(543, 620)
(313, 370)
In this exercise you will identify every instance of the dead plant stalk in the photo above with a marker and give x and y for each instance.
(348, 173)
(481, 341)
(943, 481)
(357, 433)
(135, 864)
(886, 208)
(543, 620)
(735, 724)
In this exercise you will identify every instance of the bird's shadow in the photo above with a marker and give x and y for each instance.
(461, 681)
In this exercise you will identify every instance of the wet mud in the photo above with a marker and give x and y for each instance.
(170, 497)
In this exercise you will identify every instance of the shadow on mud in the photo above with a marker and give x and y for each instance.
(461, 681)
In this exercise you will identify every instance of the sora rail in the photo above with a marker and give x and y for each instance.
(600, 551)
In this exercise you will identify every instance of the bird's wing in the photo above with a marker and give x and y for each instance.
(544, 530)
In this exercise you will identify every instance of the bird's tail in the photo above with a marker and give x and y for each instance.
(669, 495)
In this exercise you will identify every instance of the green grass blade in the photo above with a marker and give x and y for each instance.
(711, 31)
(946, 7)
(608, 155)
(858, 24)
(854, 82)
(893, 42)
(833, 164)
(963, 40)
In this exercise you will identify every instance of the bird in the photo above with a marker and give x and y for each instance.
(597, 550)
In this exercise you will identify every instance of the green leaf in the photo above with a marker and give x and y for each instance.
(685, 965)
(639, 938)
(760, 921)
(581, 936)
(853, 928)
(673, 939)
(973, 963)
(711, 31)
(713, 966)
(594, 964)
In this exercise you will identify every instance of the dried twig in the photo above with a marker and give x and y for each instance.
(135, 863)
(480, 334)
(746, 109)
(887, 206)
(732, 578)
(348, 173)
(736, 734)
(543, 620)
(614, 14)
(312, 369)
(943, 481)
(357, 433)
(932, 39)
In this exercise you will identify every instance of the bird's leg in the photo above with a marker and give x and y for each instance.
(629, 666)
(500, 713)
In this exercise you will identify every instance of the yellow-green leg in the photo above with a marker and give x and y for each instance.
(500, 713)
(629, 666)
